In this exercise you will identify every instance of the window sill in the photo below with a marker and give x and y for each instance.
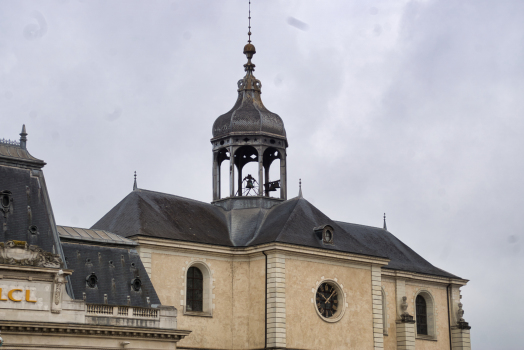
(426, 337)
(198, 313)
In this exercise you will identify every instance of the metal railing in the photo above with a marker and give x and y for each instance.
(10, 142)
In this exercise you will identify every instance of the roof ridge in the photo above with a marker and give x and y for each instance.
(288, 218)
(351, 223)
(261, 224)
(174, 195)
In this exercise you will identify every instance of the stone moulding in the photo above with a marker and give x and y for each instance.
(10, 327)
(20, 253)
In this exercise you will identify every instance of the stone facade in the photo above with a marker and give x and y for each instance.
(37, 313)
(240, 287)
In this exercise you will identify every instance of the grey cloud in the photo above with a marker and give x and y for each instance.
(292, 21)
(37, 30)
(414, 109)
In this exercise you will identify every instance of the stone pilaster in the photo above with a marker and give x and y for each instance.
(460, 329)
(405, 325)
(405, 335)
(276, 300)
(376, 294)
(145, 256)
(460, 338)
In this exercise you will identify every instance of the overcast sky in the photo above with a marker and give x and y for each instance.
(413, 108)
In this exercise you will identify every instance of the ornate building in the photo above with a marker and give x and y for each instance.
(250, 270)
(69, 288)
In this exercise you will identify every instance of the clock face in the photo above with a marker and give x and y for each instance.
(327, 300)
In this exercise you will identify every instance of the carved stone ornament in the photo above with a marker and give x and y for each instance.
(460, 313)
(60, 280)
(404, 315)
(20, 253)
(462, 324)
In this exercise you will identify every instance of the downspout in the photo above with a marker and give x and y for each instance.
(449, 317)
(265, 315)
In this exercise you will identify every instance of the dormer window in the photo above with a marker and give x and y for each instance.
(325, 233)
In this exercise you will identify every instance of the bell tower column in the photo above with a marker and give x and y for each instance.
(260, 151)
(283, 175)
(232, 151)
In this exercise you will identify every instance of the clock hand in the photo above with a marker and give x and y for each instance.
(334, 293)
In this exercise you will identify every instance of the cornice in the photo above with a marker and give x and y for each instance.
(75, 329)
(246, 252)
(397, 274)
(33, 269)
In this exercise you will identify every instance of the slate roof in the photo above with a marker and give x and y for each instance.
(249, 115)
(154, 214)
(115, 268)
(101, 236)
(385, 243)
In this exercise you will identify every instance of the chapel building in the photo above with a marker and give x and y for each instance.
(250, 270)
(256, 270)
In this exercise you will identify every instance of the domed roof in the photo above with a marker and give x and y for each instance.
(249, 115)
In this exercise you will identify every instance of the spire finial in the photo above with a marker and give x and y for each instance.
(249, 25)
(23, 138)
(134, 185)
(299, 188)
(249, 49)
(385, 227)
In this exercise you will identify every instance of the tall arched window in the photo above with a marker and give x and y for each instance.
(195, 289)
(422, 315)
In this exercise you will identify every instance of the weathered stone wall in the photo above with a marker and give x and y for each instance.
(237, 294)
(439, 336)
(390, 340)
(353, 331)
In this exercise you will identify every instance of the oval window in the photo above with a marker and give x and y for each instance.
(136, 284)
(5, 201)
(91, 280)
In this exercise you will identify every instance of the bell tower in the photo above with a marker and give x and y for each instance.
(249, 132)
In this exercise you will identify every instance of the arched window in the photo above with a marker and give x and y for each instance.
(195, 289)
(422, 315)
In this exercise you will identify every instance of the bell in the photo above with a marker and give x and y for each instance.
(249, 184)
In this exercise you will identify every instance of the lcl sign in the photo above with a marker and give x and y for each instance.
(17, 295)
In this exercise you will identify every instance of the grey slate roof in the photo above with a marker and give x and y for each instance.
(161, 215)
(84, 234)
(386, 244)
(30, 207)
(115, 268)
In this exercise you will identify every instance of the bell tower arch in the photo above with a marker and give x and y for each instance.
(249, 133)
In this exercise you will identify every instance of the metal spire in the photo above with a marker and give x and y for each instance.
(249, 25)
(249, 49)
(134, 185)
(300, 188)
(23, 138)
(385, 227)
